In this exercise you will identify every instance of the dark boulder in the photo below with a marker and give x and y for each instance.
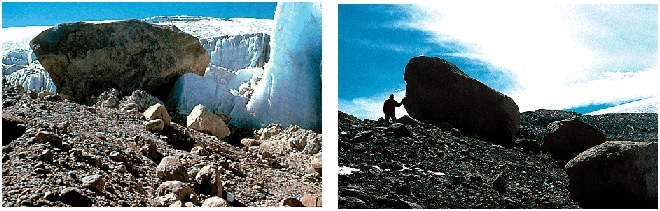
(615, 174)
(12, 128)
(438, 91)
(74, 197)
(85, 59)
(570, 137)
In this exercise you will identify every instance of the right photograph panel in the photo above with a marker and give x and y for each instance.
(496, 105)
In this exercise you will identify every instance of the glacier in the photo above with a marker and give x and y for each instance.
(285, 90)
(20, 67)
(290, 91)
(238, 51)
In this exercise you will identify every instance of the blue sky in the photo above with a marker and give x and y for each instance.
(569, 57)
(52, 13)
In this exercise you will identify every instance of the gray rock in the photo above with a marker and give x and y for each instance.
(163, 201)
(128, 55)
(407, 120)
(198, 150)
(215, 202)
(170, 168)
(438, 91)
(94, 182)
(568, 138)
(74, 197)
(203, 120)
(181, 191)
(154, 125)
(615, 174)
(157, 111)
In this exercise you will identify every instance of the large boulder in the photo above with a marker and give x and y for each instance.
(203, 120)
(170, 168)
(85, 59)
(568, 138)
(438, 91)
(615, 174)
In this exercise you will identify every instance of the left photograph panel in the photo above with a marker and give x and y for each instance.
(142, 104)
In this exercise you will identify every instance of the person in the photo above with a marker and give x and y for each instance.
(389, 107)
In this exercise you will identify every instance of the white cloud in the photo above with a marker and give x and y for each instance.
(371, 107)
(560, 56)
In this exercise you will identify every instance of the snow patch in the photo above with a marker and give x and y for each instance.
(344, 170)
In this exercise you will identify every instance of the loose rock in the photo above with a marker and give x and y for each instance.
(170, 168)
(203, 120)
(291, 202)
(94, 182)
(157, 111)
(181, 191)
(164, 201)
(12, 128)
(154, 125)
(215, 202)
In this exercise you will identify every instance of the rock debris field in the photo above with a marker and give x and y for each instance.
(394, 165)
(59, 153)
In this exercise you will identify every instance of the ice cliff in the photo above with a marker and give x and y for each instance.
(234, 43)
(20, 67)
(290, 91)
(238, 51)
(287, 90)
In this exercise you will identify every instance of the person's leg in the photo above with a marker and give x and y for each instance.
(387, 117)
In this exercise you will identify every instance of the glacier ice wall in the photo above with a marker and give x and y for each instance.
(20, 67)
(238, 51)
(290, 91)
(220, 90)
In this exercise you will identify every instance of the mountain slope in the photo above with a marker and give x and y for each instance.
(424, 165)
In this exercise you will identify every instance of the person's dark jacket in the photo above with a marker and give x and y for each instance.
(390, 105)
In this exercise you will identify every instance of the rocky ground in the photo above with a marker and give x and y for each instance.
(78, 155)
(616, 127)
(385, 165)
